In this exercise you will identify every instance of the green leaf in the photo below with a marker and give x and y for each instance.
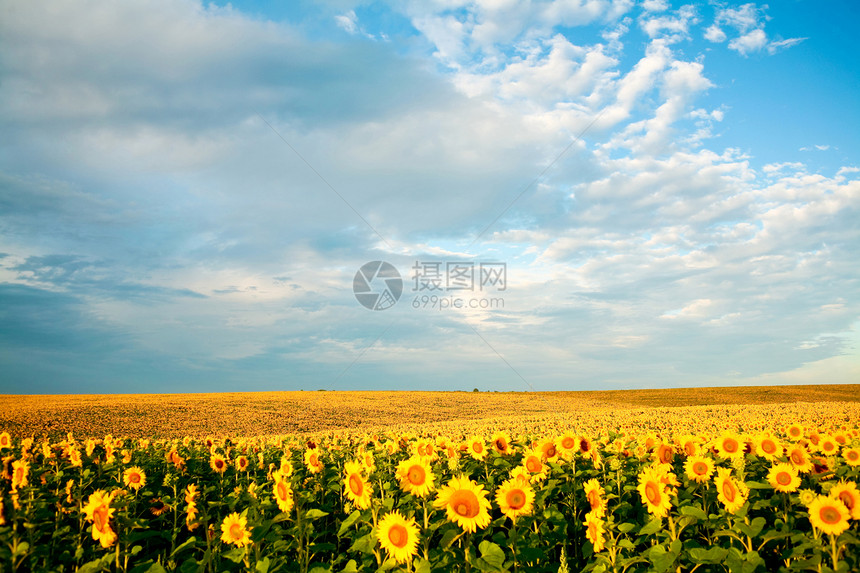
(713, 555)
(347, 523)
(149, 567)
(652, 527)
(235, 555)
(757, 485)
(625, 527)
(694, 511)
(263, 565)
(422, 566)
(449, 538)
(315, 513)
(351, 567)
(189, 543)
(365, 543)
(492, 557)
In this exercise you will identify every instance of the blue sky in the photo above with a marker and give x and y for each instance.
(187, 191)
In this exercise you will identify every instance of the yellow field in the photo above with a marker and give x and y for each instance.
(279, 413)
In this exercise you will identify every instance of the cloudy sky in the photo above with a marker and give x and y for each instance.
(187, 191)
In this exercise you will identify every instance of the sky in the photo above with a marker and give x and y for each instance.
(553, 195)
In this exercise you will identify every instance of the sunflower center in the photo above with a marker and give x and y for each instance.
(516, 499)
(465, 503)
(416, 475)
(477, 447)
(768, 447)
(731, 446)
(356, 484)
(828, 446)
(593, 499)
(314, 460)
(236, 531)
(652, 492)
(690, 448)
(534, 465)
(584, 445)
(398, 536)
(550, 451)
(134, 478)
(797, 457)
(501, 445)
(700, 468)
(847, 499)
(100, 517)
(783, 478)
(729, 490)
(568, 443)
(852, 456)
(829, 515)
(283, 492)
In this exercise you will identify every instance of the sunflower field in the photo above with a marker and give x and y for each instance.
(647, 495)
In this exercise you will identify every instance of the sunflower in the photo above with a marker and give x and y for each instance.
(415, 476)
(828, 446)
(286, 467)
(567, 445)
(594, 494)
(851, 456)
(594, 531)
(731, 493)
(99, 512)
(465, 503)
(846, 492)
(75, 458)
(218, 463)
(476, 448)
(794, 431)
(829, 515)
(515, 497)
(664, 454)
(357, 488)
(533, 464)
(134, 478)
(653, 492)
(158, 507)
(5, 440)
(767, 447)
(585, 445)
(312, 460)
(20, 471)
(729, 446)
(234, 529)
(548, 451)
(699, 468)
(783, 477)
(799, 458)
(690, 445)
(398, 536)
(283, 491)
(242, 464)
(368, 462)
(501, 443)
(807, 496)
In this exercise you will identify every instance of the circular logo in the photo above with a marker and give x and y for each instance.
(377, 285)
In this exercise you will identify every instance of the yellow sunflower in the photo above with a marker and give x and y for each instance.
(794, 431)
(664, 454)
(699, 468)
(515, 497)
(465, 503)
(357, 488)
(594, 494)
(548, 451)
(729, 446)
(767, 447)
(829, 515)
(283, 491)
(398, 536)
(502, 443)
(5, 440)
(134, 478)
(783, 477)
(415, 476)
(313, 461)
(234, 529)
(799, 458)
(242, 464)
(99, 512)
(690, 445)
(653, 492)
(20, 471)
(477, 449)
(568, 445)
(218, 463)
(533, 464)
(731, 493)
(594, 531)
(846, 492)
(828, 446)
(851, 456)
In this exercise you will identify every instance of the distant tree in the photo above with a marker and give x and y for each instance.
(475, 390)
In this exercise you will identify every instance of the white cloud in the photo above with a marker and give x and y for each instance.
(715, 34)
(750, 42)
